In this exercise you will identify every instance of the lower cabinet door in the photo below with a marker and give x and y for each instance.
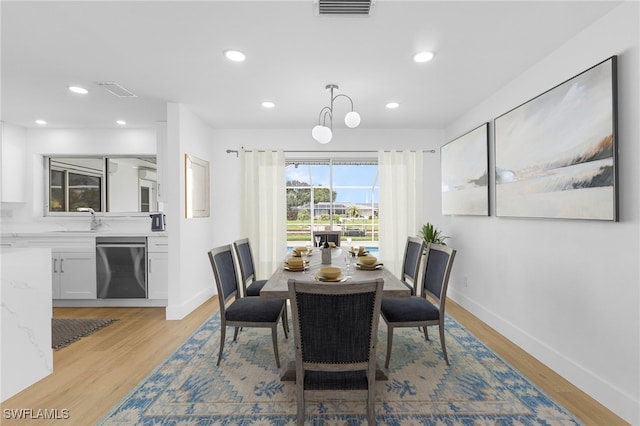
(157, 271)
(76, 275)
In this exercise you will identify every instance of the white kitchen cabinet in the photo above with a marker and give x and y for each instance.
(74, 275)
(158, 267)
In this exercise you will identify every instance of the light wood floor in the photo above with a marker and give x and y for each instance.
(94, 374)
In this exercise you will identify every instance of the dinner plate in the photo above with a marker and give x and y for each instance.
(340, 279)
(368, 267)
(296, 254)
(295, 269)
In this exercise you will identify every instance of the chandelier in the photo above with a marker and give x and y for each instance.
(323, 133)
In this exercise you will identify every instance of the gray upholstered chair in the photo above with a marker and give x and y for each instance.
(418, 311)
(329, 236)
(247, 268)
(242, 311)
(335, 328)
(411, 263)
(248, 274)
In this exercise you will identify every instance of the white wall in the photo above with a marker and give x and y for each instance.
(13, 153)
(565, 291)
(190, 276)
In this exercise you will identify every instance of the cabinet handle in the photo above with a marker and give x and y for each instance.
(150, 267)
(55, 264)
(61, 271)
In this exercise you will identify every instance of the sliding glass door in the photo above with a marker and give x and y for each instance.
(332, 195)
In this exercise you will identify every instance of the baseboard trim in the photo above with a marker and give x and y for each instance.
(605, 393)
(178, 312)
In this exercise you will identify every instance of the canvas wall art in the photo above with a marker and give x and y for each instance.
(464, 170)
(555, 156)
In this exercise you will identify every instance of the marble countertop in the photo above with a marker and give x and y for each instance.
(81, 233)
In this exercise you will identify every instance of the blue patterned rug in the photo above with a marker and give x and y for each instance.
(479, 388)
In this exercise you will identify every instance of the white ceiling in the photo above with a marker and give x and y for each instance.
(172, 52)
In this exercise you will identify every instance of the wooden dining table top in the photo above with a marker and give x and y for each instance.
(276, 286)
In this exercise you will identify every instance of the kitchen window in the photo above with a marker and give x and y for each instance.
(73, 187)
(105, 184)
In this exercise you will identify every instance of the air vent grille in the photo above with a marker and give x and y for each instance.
(116, 89)
(343, 7)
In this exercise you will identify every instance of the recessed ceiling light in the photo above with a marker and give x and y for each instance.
(268, 104)
(78, 89)
(423, 57)
(392, 105)
(41, 122)
(234, 55)
(121, 122)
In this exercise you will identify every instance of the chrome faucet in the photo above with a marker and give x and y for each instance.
(95, 222)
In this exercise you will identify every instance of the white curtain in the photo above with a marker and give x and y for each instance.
(263, 207)
(400, 203)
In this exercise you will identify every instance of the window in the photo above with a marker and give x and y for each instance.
(106, 184)
(333, 194)
(73, 186)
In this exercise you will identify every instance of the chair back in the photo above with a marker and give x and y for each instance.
(411, 261)
(224, 272)
(329, 236)
(436, 272)
(335, 325)
(245, 260)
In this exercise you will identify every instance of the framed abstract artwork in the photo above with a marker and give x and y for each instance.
(464, 174)
(555, 155)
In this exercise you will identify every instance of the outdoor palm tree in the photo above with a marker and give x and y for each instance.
(353, 211)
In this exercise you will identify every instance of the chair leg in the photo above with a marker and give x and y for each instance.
(371, 406)
(235, 333)
(223, 330)
(444, 346)
(285, 323)
(389, 345)
(426, 333)
(274, 336)
(300, 409)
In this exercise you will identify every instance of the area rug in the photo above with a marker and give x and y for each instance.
(65, 331)
(478, 388)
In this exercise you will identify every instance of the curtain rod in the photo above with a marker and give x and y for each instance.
(235, 151)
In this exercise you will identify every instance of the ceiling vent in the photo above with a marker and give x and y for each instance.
(343, 7)
(116, 90)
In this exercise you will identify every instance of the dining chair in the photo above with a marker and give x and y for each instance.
(335, 329)
(242, 311)
(247, 268)
(411, 263)
(244, 255)
(419, 311)
(329, 236)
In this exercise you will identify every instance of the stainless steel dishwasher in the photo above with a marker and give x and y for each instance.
(120, 267)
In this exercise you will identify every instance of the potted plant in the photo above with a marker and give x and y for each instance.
(431, 234)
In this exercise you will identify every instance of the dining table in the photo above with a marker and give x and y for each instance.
(277, 285)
